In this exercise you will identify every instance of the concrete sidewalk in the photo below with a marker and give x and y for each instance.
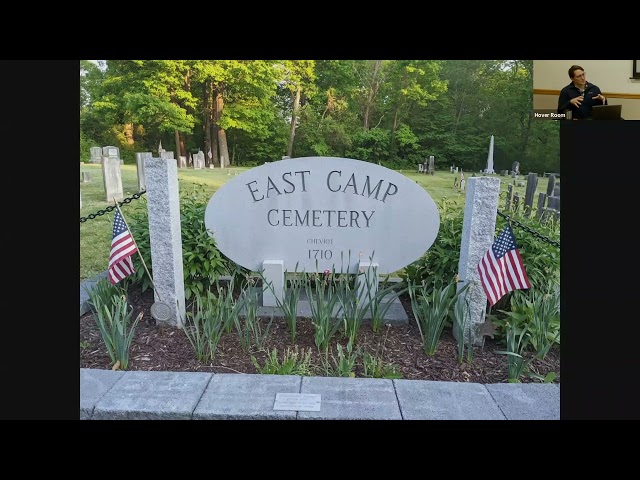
(140, 395)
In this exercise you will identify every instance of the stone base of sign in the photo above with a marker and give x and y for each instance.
(273, 271)
(368, 286)
(395, 314)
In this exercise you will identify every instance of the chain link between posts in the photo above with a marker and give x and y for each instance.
(91, 216)
(532, 232)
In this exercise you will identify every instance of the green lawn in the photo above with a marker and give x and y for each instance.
(95, 234)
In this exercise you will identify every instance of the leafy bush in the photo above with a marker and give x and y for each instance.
(203, 263)
(535, 312)
(439, 265)
(370, 145)
(85, 147)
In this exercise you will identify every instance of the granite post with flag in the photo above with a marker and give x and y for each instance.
(502, 269)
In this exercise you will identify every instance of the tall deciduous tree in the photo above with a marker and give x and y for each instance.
(298, 76)
(239, 97)
(150, 93)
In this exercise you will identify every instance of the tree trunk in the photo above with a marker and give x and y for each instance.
(213, 117)
(183, 148)
(294, 116)
(222, 135)
(214, 145)
(373, 91)
(526, 135)
(128, 133)
(396, 120)
(177, 154)
(206, 112)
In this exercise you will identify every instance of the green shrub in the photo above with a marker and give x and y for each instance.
(203, 263)
(85, 147)
(439, 265)
(536, 312)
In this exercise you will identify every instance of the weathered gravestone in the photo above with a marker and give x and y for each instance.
(112, 179)
(112, 152)
(140, 156)
(431, 169)
(321, 213)
(532, 185)
(551, 184)
(96, 155)
(489, 168)
(198, 160)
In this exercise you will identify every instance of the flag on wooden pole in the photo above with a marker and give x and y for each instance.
(122, 248)
(501, 269)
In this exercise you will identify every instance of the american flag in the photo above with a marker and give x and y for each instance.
(501, 269)
(122, 248)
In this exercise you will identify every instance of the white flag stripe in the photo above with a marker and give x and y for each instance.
(122, 253)
(493, 270)
(489, 281)
(509, 274)
(122, 269)
(522, 276)
(514, 268)
(483, 276)
(496, 275)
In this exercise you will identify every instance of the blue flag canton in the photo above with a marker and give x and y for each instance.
(505, 242)
(118, 225)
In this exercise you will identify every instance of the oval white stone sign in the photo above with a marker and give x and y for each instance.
(324, 213)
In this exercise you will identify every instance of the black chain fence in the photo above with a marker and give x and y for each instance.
(532, 232)
(91, 216)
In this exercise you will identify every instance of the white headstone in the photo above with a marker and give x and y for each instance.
(111, 152)
(112, 178)
(140, 156)
(490, 157)
(96, 155)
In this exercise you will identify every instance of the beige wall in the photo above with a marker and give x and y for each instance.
(612, 76)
